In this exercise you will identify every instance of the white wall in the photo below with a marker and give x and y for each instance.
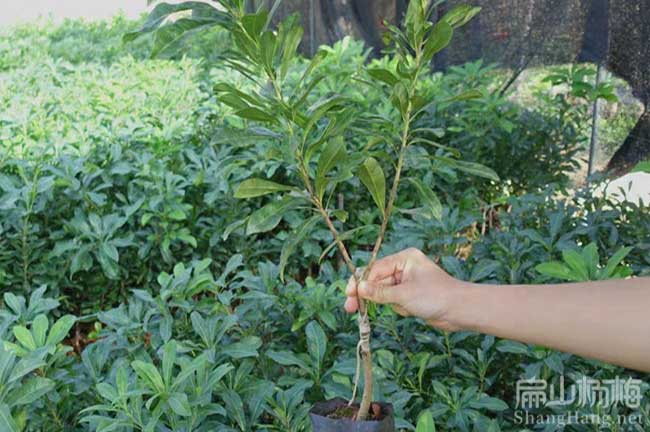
(16, 11)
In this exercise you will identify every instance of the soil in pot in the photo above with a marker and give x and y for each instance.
(336, 415)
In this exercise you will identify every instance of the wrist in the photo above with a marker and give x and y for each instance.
(468, 304)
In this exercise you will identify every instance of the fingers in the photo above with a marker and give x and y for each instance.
(376, 291)
(384, 275)
(351, 304)
(390, 266)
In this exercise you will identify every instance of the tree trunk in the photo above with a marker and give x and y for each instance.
(636, 147)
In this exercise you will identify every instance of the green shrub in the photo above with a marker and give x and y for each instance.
(123, 215)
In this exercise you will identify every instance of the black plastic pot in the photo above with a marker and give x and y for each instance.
(322, 423)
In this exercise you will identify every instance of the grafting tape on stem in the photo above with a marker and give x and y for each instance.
(363, 347)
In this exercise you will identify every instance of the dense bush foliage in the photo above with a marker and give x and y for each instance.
(134, 300)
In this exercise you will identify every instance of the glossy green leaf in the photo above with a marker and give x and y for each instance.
(465, 95)
(30, 391)
(149, 374)
(179, 404)
(425, 423)
(254, 24)
(292, 38)
(460, 15)
(554, 269)
(168, 36)
(254, 187)
(577, 265)
(252, 113)
(613, 262)
(168, 360)
(294, 240)
(162, 11)
(490, 404)
(60, 329)
(268, 46)
(25, 337)
(7, 422)
(316, 342)
(429, 198)
(269, 216)
(372, 176)
(469, 168)
(439, 38)
(383, 75)
(39, 329)
(287, 358)
(332, 154)
(247, 347)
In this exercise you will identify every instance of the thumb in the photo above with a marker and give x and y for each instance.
(378, 292)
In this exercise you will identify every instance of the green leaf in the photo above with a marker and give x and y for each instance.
(163, 10)
(372, 176)
(289, 47)
(252, 113)
(512, 347)
(287, 358)
(247, 347)
(168, 36)
(7, 422)
(177, 215)
(490, 404)
(24, 367)
(149, 374)
(425, 423)
(332, 154)
(316, 342)
(578, 267)
(107, 391)
(269, 216)
(429, 198)
(469, 167)
(168, 360)
(254, 23)
(554, 269)
(613, 262)
(268, 46)
(591, 260)
(383, 75)
(235, 408)
(439, 38)
(14, 303)
(243, 99)
(465, 95)
(294, 239)
(25, 337)
(188, 370)
(179, 404)
(60, 329)
(39, 329)
(460, 15)
(30, 391)
(255, 187)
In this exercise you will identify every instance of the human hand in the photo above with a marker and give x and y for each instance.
(413, 285)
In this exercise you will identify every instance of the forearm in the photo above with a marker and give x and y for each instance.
(607, 320)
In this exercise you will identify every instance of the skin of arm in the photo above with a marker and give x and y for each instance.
(604, 320)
